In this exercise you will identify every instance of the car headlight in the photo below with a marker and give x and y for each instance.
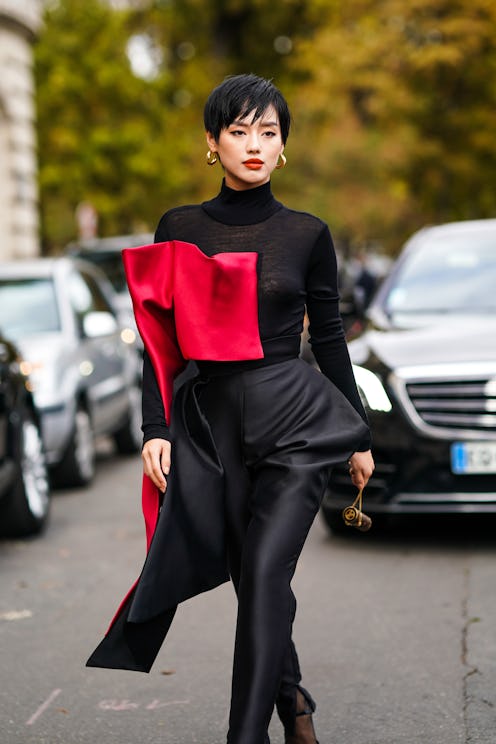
(33, 372)
(42, 381)
(371, 389)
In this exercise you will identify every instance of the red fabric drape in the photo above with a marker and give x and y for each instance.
(190, 306)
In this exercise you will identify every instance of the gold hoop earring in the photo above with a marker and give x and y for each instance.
(211, 158)
(283, 161)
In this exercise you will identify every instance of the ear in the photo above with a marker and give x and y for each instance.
(212, 144)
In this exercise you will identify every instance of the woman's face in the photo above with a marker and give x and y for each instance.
(249, 150)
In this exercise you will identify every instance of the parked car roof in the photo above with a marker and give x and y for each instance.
(461, 226)
(43, 266)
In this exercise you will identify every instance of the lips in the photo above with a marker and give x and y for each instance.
(253, 163)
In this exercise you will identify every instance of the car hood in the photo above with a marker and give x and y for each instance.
(450, 340)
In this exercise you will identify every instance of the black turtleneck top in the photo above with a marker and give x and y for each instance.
(296, 270)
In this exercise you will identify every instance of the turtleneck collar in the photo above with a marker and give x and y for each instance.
(242, 207)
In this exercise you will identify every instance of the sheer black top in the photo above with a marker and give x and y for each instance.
(296, 270)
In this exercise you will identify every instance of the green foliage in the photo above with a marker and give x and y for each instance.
(81, 102)
(393, 106)
(130, 146)
(402, 106)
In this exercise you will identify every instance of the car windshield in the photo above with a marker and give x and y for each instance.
(27, 306)
(110, 262)
(447, 274)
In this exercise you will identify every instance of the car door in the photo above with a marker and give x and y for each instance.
(8, 383)
(102, 356)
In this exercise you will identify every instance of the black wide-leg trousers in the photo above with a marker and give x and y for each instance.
(278, 429)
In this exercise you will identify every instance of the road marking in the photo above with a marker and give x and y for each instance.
(117, 705)
(129, 705)
(157, 704)
(43, 707)
(109, 704)
(15, 614)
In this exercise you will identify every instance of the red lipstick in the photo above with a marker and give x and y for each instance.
(253, 163)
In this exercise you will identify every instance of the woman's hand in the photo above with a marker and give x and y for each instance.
(361, 468)
(156, 456)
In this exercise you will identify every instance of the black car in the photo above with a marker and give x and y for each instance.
(24, 484)
(426, 371)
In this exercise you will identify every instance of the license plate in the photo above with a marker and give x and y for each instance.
(473, 457)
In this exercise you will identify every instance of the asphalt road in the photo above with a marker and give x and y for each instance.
(396, 634)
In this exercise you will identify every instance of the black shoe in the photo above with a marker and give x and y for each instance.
(301, 731)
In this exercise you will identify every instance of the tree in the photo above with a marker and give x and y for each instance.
(401, 106)
(393, 107)
(97, 122)
(132, 145)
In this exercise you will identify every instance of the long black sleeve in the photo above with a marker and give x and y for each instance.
(155, 425)
(327, 336)
(154, 421)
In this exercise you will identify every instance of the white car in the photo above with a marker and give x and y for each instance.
(105, 253)
(84, 369)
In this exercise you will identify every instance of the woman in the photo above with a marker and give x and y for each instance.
(235, 275)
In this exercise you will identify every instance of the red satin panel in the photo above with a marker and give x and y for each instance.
(216, 305)
(149, 273)
(190, 306)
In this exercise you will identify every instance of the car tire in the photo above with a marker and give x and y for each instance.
(77, 468)
(25, 510)
(129, 438)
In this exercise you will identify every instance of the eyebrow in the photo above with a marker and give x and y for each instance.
(239, 123)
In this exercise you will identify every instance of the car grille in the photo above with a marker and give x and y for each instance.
(456, 404)
(384, 472)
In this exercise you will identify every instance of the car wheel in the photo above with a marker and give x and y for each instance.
(78, 465)
(25, 510)
(129, 438)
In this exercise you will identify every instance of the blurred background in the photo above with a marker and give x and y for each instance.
(393, 108)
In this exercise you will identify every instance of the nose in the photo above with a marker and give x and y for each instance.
(253, 142)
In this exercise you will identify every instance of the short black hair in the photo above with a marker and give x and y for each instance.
(237, 96)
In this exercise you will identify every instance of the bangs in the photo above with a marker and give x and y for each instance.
(241, 95)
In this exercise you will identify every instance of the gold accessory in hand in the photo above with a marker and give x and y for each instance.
(211, 158)
(354, 517)
(283, 161)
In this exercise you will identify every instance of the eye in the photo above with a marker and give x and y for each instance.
(270, 134)
(237, 132)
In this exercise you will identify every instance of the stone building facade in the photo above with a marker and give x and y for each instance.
(19, 23)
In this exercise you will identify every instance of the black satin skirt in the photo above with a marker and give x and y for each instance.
(278, 430)
(249, 447)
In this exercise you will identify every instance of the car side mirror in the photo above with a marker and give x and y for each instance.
(98, 324)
